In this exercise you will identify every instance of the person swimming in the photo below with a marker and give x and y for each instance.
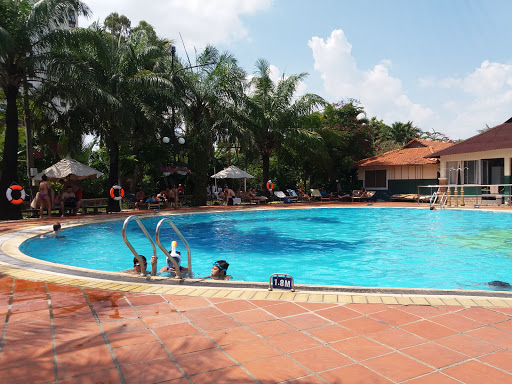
(495, 284)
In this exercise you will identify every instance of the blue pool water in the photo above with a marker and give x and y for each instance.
(376, 247)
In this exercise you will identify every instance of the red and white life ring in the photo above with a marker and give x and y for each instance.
(120, 194)
(270, 185)
(15, 187)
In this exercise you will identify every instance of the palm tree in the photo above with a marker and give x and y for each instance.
(118, 89)
(402, 133)
(272, 114)
(210, 96)
(28, 30)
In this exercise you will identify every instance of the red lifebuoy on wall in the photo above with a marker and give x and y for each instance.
(270, 185)
(15, 187)
(120, 194)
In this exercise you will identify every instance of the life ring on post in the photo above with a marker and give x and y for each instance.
(21, 191)
(119, 194)
(270, 186)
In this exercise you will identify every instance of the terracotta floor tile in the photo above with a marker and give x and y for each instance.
(353, 374)
(86, 330)
(235, 306)
(501, 359)
(117, 314)
(474, 372)
(306, 321)
(109, 376)
(338, 313)
(424, 311)
(80, 346)
(285, 309)
(141, 352)
(115, 303)
(122, 325)
(366, 309)
(218, 300)
(506, 311)
(10, 358)
(73, 321)
(155, 309)
(396, 338)
(201, 313)
(468, 345)
(364, 324)
(122, 339)
(360, 348)
(483, 315)
(456, 322)
(72, 310)
(40, 372)
(65, 289)
(33, 326)
(215, 323)
(21, 284)
(264, 303)
(320, 359)
(29, 316)
(162, 321)
(35, 305)
(67, 301)
(204, 361)
(428, 330)
(435, 354)
(229, 375)
(493, 335)
(397, 367)
(505, 325)
(251, 350)
(87, 362)
(275, 369)
(148, 372)
(175, 330)
(433, 378)
(395, 317)
(231, 336)
(187, 344)
(146, 300)
(332, 332)
(187, 303)
(294, 341)
(252, 316)
(307, 380)
(317, 306)
(17, 340)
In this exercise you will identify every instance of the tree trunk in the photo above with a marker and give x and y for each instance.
(28, 133)
(10, 211)
(113, 175)
(265, 159)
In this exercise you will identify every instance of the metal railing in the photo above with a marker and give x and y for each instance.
(455, 194)
(125, 238)
(166, 252)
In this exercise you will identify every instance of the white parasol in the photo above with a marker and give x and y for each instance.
(70, 169)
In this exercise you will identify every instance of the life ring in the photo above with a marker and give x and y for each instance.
(270, 185)
(15, 187)
(113, 192)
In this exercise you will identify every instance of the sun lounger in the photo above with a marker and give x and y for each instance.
(281, 196)
(358, 195)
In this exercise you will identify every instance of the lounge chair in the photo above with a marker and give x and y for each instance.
(282, 196)
(358, 195)
(292, 195)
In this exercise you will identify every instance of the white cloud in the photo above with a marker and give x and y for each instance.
(381, 94)
(200, 22)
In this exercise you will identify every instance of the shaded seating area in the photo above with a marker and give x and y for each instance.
(316, 194)
(361, 195)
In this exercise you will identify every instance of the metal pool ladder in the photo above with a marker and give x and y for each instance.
(125, 224)
(166, 252)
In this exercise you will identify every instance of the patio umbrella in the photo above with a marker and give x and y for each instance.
(232, 172)
(69, 168)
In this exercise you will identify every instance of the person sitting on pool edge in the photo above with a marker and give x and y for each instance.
(219, 271)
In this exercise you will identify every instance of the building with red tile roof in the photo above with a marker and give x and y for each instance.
(484, 160)
(401, 171)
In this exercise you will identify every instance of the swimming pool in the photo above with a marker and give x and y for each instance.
(374, 247)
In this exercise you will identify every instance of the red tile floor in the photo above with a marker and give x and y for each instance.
(59, 334)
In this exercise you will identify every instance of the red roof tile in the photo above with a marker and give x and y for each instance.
(415, 152)
(498, 137)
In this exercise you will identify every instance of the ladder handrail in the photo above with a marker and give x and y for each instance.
(166, 252)
(125, 238)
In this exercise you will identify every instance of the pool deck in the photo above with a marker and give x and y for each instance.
(67, 325)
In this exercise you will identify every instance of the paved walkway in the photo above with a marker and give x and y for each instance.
(60, 334)
(57, 329)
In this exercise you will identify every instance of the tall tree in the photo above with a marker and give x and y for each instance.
(273, 114)
(28, 30)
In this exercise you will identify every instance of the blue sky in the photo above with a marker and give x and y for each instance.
(444, 65)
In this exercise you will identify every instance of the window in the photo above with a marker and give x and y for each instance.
(375, 179)
(471, 172)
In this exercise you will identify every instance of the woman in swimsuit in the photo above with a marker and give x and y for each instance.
(44, 200)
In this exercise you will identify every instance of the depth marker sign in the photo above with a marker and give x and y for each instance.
(281, 281)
